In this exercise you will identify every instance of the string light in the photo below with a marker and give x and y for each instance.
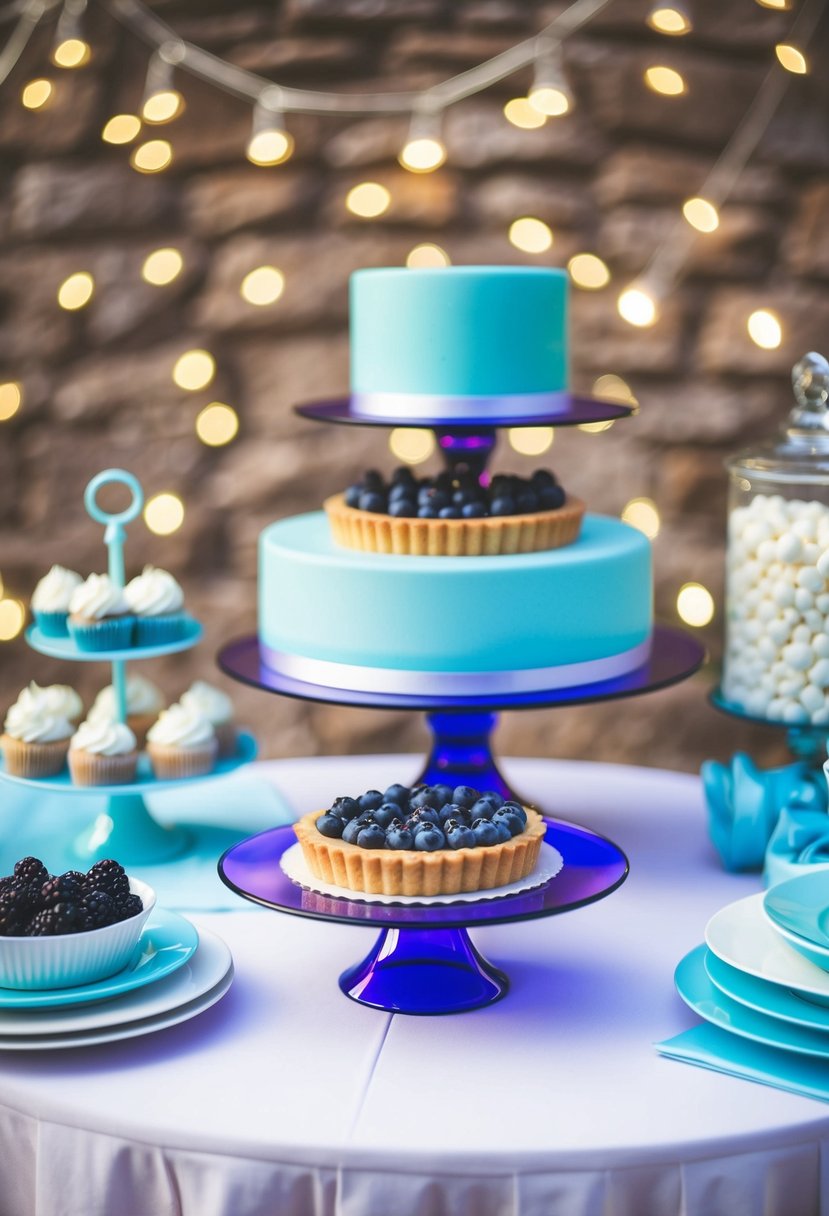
(530, 235)
(194, 370)
(550, 93)
(642, 513)
(588, 271)
(262, 286)
(11, 399)
(426, 256)
(637, 305)
(368, 200)
(152, 157)
(121, 129)
(521, 114)
(162, 266)
(76, 291)
(37, 94)
(412, 445)
(270, 142)
(791, 58)
(12, 619)
(670, 18)
(764, 329)
(164, 513)
(162, 100)
(530, 440)
(217, 424)
(695, 604)
(424, 150)
(701, 214)
(70, 48)
(664, 80)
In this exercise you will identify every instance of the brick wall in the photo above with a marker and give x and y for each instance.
(608, 179)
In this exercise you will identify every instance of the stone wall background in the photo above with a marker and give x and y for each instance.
(609, 178)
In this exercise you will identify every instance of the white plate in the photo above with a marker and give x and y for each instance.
(207, 968)
(110, 1034)
(741, 936)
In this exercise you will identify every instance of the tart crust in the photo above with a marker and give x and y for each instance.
(410, 872)
(374, 532)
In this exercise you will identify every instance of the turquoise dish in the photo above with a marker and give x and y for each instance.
(799, 907)
(65, 648)
(699, 992)
(770, 999)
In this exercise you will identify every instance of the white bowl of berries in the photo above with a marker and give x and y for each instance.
(64, 930)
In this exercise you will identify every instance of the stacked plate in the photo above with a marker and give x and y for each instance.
(174, 974)
(763, 973)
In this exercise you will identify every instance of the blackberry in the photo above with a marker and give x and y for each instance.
(129, 906)
(32, 871)
(68, 918)
(42, 924)
(99, 909)
(109, 876)
(64, 888)
(15, 910)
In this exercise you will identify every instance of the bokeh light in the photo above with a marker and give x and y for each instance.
(412, 445)
(368, 200)
(549, 101)
(12, 619)
(695, 604)
(596, 428)
(194, 370)
(152, 157)
(642, 513)
(270, 147)
(121, 129)
(71, 53)
(638, 307)
(530, 440)
(163, 106)
(701, 214)
(521, 114)
(791, 58)
(422, 155)
(37, 94)
(11, 398)
(217, 424)
(162, 266)
(164, 513)
(530, 235)
(262, 286)
(613, 388)
(669, 19)
(588, 271)
(76, 291)
(666, 81)
(427, 257)
(764, 329)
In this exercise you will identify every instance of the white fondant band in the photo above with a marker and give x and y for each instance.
(455, 409)
(453, 683)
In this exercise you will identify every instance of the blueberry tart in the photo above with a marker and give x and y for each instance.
(430, 840)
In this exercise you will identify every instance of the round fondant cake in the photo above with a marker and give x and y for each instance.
(458, 343)
(454, 626)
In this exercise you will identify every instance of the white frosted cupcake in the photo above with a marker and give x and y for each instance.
(103, 753)
(61, 700)
(50, 601)
(144, 703)
(217, 707)
(99, 616)
(157, 601)
(35, 739)
(182, 743)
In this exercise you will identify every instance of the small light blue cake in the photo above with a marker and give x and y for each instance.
(454, 626)
(459, 342)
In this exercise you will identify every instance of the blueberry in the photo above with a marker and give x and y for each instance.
(370, 800)
(352, 830)
(451, 810)
(386, 813)
(503, 505)
(370, 500)
(372, 479)
(513, 822)
(433, 498)
(504, 834)
(402, 475)
(517, 809)
(465, 796)
(493, 797)
(403, 508)
(424, 814)
(402, 489)
(527, 502)
(443, 794)
(482, 809)
(449, 513)
(473, 510)
(398, 794)
(345, 807)
(543, 477)
(461, 838)
(372, 837)
(430, 839)
(425, 796)
(463, 497)
(400, 838)
(551, 498)
(330, 825)
(485, 833)
(352, 496)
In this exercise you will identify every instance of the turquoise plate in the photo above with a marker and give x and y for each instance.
(697, 990)
(65, 648)
(166, 944)
(765, 998)
(800, 906)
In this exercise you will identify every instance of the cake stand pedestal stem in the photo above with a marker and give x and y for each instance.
(127, 830)
(472, 449)
(462, 752)
(424, 971)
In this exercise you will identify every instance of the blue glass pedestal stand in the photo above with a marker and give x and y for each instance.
(807, 743)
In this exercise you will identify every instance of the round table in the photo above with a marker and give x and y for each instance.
(288, 1098)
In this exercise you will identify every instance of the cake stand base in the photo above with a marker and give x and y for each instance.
(127, 830)
(424, 971)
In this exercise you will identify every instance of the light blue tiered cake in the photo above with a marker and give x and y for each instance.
(445, 343)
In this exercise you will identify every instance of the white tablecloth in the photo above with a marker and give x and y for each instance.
(287, 1099)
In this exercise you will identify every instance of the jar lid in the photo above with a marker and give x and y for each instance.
(800, 452)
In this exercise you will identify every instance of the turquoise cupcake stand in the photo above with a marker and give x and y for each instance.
(123, 826)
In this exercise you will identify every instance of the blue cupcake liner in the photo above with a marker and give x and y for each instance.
(112, 633)
(158, 630)
(52, 624)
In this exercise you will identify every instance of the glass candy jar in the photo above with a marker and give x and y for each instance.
(776, 663)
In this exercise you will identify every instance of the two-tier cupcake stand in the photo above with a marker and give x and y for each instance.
(123, 827)
(424, 961)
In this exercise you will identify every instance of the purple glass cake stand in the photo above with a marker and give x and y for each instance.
(463, 726)
(423, 961)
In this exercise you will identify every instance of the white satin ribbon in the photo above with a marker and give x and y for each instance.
(453, 683)
(431, 406)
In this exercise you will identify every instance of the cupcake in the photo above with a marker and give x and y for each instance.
(103, 753)
(60, 699)
(50, 601)
(157, 600)
(217, 707)
(35, 739)
(144, 703)
(99, 618)
(182, 743)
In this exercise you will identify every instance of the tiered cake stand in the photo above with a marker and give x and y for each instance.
(124, 827)
(424, 962)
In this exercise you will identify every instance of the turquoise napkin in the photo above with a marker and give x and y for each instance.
(799, 841)
(714, 1048)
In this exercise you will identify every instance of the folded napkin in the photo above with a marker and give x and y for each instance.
(800, 840)
(714, 1048)
(744, 803)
